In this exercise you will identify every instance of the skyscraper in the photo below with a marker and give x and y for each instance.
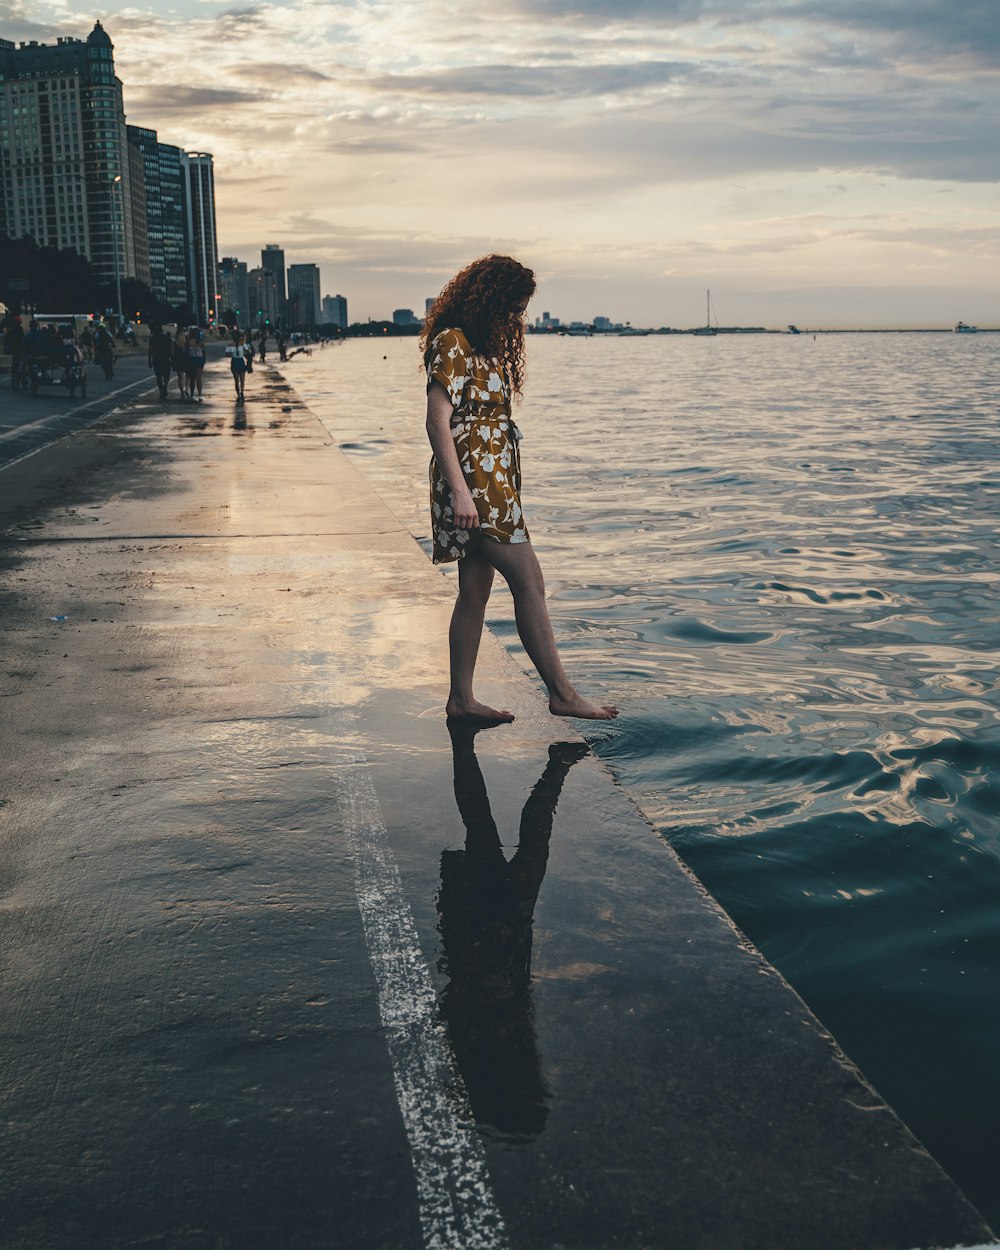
(173, 218)
(234, 289)
(335, 311)
(65, 176)
(164, 215)
(303, 296)
(262, 289)
(198, 183)
(272, 258)
(138, 209)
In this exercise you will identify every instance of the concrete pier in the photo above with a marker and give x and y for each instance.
(285, 964)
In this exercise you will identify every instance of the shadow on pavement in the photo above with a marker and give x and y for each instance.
(486, 909)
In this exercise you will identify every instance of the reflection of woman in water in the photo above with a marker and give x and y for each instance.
(473, 345)
(486, 906)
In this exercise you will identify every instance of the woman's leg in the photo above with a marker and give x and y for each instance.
(519, 566)
(475, 581)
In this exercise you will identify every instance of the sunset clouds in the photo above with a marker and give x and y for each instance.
(783, 152)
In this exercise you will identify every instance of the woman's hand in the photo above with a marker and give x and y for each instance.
(443, 443)
(464, 508)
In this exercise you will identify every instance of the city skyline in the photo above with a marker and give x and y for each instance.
(74, 174)
(827, 170)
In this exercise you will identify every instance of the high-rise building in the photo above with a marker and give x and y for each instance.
(404, 317)
(138, 207)
(198, 184)
(234, 289)
(335, 311)
(264, 295)
(303, 296)
(65, 175)
(164, 215)
(272, 258)
(173, 218)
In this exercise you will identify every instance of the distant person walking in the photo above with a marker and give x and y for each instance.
(239, 352)
(473, 346)
(179, 361)
(159, 357)
(263, 347)
(14, 343)
(87, 343)
(195, 351)
(104, 351)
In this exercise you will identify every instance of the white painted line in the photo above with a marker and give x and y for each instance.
(53, 417)
(69, 434)
(455, 1195)
(989, 1245)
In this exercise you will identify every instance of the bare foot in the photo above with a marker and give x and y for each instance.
(473, 711)
(577, 705)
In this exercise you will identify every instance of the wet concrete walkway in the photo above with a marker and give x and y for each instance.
(286, 965)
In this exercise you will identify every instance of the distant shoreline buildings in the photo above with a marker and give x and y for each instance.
(74, 175)
(271, 297)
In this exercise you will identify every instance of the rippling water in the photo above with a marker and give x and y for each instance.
(780, 556)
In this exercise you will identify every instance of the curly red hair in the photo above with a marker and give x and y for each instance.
(486, 301)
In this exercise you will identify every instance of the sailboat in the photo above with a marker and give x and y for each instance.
(707, 328)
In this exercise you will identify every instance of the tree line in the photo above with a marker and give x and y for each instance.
(60, 280)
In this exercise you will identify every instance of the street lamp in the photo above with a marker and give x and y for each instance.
(116, 181)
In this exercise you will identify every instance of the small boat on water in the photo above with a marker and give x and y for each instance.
(962, 328)
(707, 328)
(794, 330)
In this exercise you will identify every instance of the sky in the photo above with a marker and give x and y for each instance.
(830, 164)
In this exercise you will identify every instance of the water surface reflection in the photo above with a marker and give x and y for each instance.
(486, 907)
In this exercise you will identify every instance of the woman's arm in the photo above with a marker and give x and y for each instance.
(439, 432)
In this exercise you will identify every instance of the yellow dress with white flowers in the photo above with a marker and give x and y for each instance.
(486, 440)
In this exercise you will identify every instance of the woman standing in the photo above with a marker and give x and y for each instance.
(237, 353)
(195, 362)
(180, 361)
(473, 345)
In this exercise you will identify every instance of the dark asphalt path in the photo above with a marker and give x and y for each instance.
(30, 422)
(285, 965)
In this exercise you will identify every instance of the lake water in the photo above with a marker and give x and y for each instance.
(779, 555)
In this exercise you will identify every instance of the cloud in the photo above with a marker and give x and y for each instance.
(279, 72)
(174, 98)
(526, 82)
(618, 12)
(930, 28)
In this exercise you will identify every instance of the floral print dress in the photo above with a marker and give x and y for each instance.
(486, 440)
